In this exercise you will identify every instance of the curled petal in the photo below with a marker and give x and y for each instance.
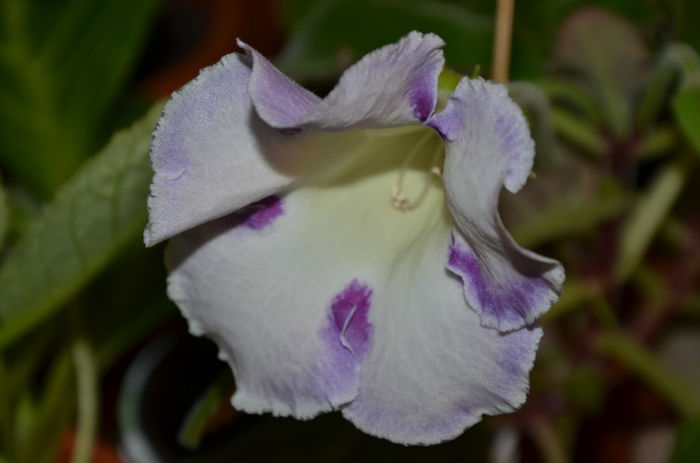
(212, 154)
(489, 146)
(394, 85)
(433, 370)
(278, 100)
(207, 153)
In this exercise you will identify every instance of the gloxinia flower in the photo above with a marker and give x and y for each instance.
(346, 253)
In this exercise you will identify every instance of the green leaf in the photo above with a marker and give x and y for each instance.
(293, 12)
(574, 294)
(580, 133)
(4, 215)
(203, 410)
(609, 56)
(686, 449)
(6, 425)
(641, 362)
(62, 65)
(336, 33)
(677, 59)
(557, 221)
(586, 388)
(648, 215)
(657, 142)
(686, 108)
(93, 217)
(685, 21)
(568, 94)
(51, 415)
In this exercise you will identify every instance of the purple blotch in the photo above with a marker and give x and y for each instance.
(424, 96)
(510, 300)
(449, 123)
(263, 213)
(349, 318)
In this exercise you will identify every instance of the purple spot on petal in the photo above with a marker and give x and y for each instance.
(508, 301)
(262, 213)
(424, 96)
(449, 123)
(350, 317)
(347, 335)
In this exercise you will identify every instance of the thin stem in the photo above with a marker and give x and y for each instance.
(86, 381)
(546, 439)
(502, 40)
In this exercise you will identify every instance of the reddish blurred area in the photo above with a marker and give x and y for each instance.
(101, 452)
(223, 21)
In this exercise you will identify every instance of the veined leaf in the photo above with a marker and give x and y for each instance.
(94, 215)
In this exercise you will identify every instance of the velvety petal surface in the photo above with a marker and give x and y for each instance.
(332, 298)
(488, 146)
(269, 306)
(212, 154)
(394, 85)
(287, 286)
(433, 369)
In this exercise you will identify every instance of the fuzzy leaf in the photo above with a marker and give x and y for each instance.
(100, 210)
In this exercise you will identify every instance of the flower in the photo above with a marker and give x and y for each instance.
(334, 259)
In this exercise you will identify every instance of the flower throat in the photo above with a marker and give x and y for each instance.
(399, 199)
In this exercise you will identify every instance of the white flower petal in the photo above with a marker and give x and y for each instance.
(488, 146)
(394, 85)
(433, 369)
(277, 317)
(285, 287)
(212, 154)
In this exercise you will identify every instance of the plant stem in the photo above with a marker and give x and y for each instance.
(502, 40)
(546, 439)
(86, 381)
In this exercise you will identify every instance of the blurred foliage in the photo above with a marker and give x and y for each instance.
(687, 446)
(4, 215)
(612, 92)
(62, 66)
(89, 222)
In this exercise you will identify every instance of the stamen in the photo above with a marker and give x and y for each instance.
(398, 198)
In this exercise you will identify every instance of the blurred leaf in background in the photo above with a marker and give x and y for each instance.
(328, 36)
(90, 221)
(4, 216)
(62, 67)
